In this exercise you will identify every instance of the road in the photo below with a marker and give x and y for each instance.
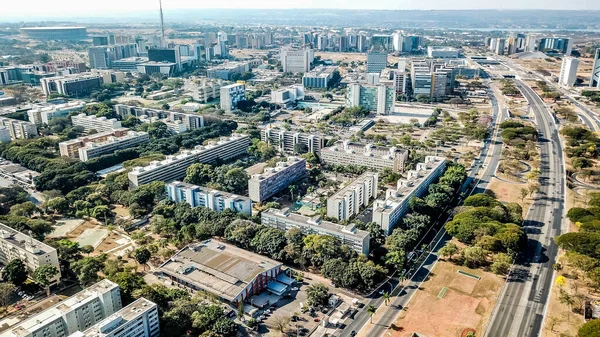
(491, 153)
(522, 302)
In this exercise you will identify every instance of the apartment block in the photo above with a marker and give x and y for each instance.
(96, 149)
(388, 211)
(75, 314)
(296, 61)
(275, 179)
(291, 141)
(175, 126)
(285, 220)
(347, 202)
(226, 70)
(70, 148)
(95, 123)
(368, 155)
(43, 114)
(207, 91)
(287, 95)
(15, 245)
(174, 167)
(379, 97)
(199, 196)
(191, 121)
(5, 135)
(139, 319)
(73, 85)
(231, 95)
(568, 71)
(318, 77)
(19, 129)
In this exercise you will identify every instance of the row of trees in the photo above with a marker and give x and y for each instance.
(581, 145)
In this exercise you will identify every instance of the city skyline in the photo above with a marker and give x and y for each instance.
(64, 8)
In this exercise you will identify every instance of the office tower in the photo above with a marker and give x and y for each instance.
(531, 42)
(100, 40)
(72, 85)
(162, 25)
(184, 50)
(231, 95)
(348, 234)
(556, 44)
(198, 51)
(378, 97)
(500, 46)
(388, 211)
(296, 61)
(411, 43)
(222, 36)
(174, 167)
(362, 43)
(169, 55)
(595, 78)
(322, 42)
(343, 43)
(568, 71)
(378, 52)
(200, 196)
(368, 155)
(276, 179)
(442, 52)
(347, 202)
(15, 245)
(397, 41)
(400, 79)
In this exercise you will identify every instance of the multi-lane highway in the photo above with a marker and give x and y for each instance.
(490, 155)
(522, 303)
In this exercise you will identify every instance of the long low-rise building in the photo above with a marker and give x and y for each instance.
(191, 121)
(349, 234)
(19, 129)
(70, 148)
(228, 272)
(96, 149)
(347, 202)
(174, 167)
(199, 196)
(95, 123)
(139, 319)
(293, 142)
(318, 77)
(275, 179)
(367, 155)
(43, 114)
(73, 315)
(388, 212)
(15, 245)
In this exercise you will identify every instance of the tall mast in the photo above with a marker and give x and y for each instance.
(162, 26)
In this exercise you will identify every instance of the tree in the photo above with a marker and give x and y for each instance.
(26, 209)
(58, 205)
(7, 290)
(449, 250)
(236, 180)
(281, 323)
(15, 272)
(590, 329)
(501, 264)
(474, 256)
(43, 275)
(142, 256)
(371, 310)
(386, 297)
(524, 193)
(87, 268)
(317, 294)
(292, 188)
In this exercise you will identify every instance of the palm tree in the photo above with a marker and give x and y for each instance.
(386, 297)
(292, 189)
(371, 309)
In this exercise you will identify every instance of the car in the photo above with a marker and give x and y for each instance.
(352, 333)
(262, 317)
(316, 319)
(381, 292)
(295, 289)
(267, 312)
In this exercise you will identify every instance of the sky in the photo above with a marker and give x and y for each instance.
(64, 8)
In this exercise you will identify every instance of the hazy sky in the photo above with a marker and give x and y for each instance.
(65, 7)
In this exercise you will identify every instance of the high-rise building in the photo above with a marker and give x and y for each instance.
(500, 45)
(595, 78)
(168, 55)
(343, 44)
(15, 245)
(275, 179)
(103, 57)
(296, 61)
(376, 61)
(285, 220)
(568, 71)
(347, 202)
(378, 97)
(174, 167)
(388, 211)
(557, 44)
(231, 95)
(411, 43)
(199, 196)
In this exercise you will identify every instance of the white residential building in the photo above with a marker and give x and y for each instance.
(275, 179)
(388, 211)
(346, 203)
(5, 135)
(72, 85)
(42, 114)
(318, 77)
(207, 91)
(139, 319)
(231, 95)
(296, 61)
(15, 245)
(285, 220)
(175, 126)
(368, 155)
(77, 313)
(199, 196)
(289, 141)
(442, 52)
(96, 149)
(92, 122)
(568, 71)
(191, 121)
(19, 129)
(287, 95)
(174, 167)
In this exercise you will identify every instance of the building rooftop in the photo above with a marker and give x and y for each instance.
(365, 149)
(321, 72)
(353, 184)
(318, 224)
(23, 241)
(53, 27)
(217, 267)
(228, 195)
(92, 137)
(280, 166)
(114, 139)
(118, 319)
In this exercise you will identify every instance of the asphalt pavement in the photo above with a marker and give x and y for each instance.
(522, 302)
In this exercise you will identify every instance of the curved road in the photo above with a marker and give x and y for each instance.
(521, 308)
